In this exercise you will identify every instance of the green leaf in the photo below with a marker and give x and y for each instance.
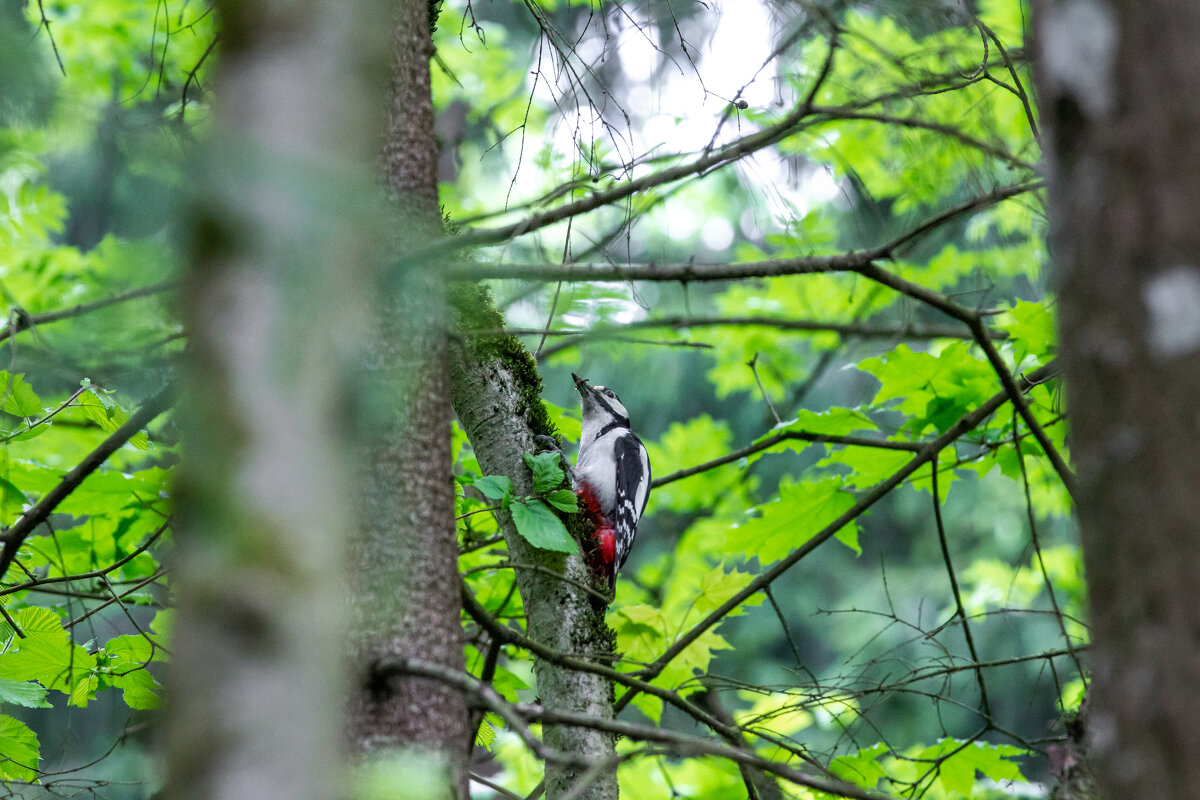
(869, 466)
(139, 688)
(20, 752)
(861, 768)
(507, 683)
(19, 397)
(104, 411)
(1031, 327)
(959, 762)
(133, 649)
(11, 497)
(566, 422)
(995, 760)
(486, 735)
(547, 474)
(83, 691)
(801, 510)
(641, 632)
(955, 773)
(538, 525)
(127, 659)
(934, 387)
(494, 487)
(46, 654)
(33, 433)
(564, 500)
(687, 443)
(23, 693)
(162, 624)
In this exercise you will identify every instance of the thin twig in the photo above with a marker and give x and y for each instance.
(25, 320)
(45, 23)
(1037, 549)
(753, 365)
(37, 584)
(958, 603)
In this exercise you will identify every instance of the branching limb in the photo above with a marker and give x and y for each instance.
(783, 436)
(518, 718)
(23, 320)
(861, 261)
(985, 705)
(39, 583)
(964, 424)
(16, 535)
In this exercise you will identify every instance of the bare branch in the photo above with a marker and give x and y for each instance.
(15, 536)
(862, 330)
(518, 718)
(783, 436)
(852, 261)
(23, 320)
(38, 583)
(958, 603)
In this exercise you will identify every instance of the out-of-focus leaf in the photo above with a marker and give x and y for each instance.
(19, 397)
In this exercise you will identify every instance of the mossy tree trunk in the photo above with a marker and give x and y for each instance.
(1118, 88)
(497, 396)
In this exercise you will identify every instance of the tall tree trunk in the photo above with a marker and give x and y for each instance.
(1119, 90)
(258, 676)
(497, 395)
(405, 559)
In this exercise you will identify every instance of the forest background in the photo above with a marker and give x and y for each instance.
(807, 244)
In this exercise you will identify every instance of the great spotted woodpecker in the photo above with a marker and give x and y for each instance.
(612, 474)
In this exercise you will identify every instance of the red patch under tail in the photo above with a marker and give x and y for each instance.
(601, 551)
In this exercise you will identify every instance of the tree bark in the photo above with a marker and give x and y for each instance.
(405, 558)
(258, 672)
(497, 396)
(1118, 88)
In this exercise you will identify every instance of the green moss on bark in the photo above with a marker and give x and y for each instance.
(475, 309)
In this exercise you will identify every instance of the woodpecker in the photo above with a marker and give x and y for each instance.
(612, 473)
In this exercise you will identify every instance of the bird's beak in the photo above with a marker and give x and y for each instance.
(580, 384)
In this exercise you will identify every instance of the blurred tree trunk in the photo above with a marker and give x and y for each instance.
(1119, 90)
(405, 558)
(257, 681)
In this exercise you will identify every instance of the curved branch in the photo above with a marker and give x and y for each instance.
(783, 436)
(39, 583)
(519, 716)
(507, 635)
(835, 114)
(22, 320)
(16, 535)
(854, 260)
(909, 331)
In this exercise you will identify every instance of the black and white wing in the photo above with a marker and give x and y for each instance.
(633, 488)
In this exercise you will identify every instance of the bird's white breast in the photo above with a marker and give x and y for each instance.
(596, 465)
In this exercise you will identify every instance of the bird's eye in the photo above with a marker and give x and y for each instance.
(609, 392)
